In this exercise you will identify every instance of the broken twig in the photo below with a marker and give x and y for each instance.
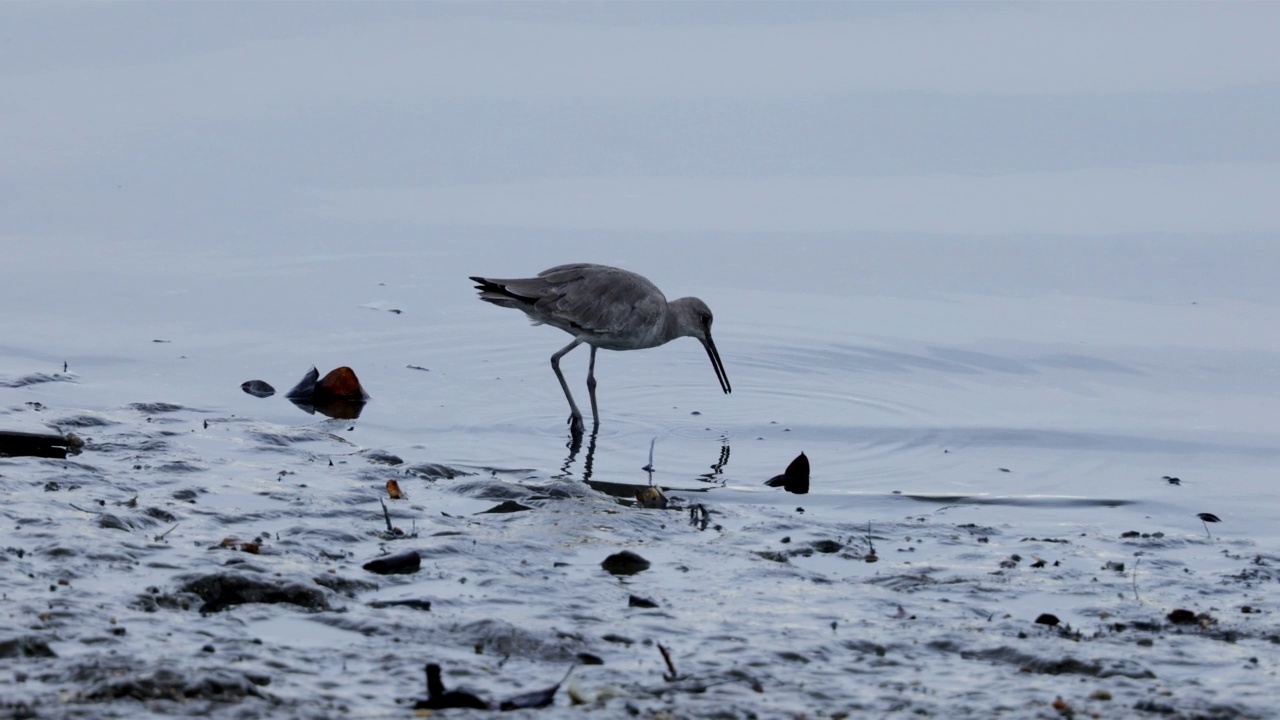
(671, 667)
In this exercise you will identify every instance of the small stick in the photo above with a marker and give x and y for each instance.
(162, 535)
(1135, 579)
(386, 514)
(649, 468)
(666, 655)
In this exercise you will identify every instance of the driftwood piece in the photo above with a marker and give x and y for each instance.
(45, 445)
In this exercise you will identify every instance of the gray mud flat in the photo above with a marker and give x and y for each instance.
(176, 568)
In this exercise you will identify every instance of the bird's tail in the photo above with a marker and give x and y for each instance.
(499, 293)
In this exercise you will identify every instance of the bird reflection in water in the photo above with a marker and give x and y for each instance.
(713, 477)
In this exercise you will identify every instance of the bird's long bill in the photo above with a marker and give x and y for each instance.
(715, 363)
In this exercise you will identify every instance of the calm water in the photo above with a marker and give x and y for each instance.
(994, 296)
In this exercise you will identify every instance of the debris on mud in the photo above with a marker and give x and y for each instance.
(220, 591)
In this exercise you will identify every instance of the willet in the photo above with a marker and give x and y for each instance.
(604, 307)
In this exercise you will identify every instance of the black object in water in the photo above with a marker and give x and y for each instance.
(438, 698)
(795, 479)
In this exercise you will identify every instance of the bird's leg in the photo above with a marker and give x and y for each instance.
(575, 415)
(591, 388)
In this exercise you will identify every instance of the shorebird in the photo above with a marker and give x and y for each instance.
(604, 307)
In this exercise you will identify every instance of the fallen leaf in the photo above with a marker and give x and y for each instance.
(340, 384)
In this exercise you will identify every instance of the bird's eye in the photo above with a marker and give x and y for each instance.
(706, 319)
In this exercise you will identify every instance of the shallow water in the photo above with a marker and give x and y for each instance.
(993, 340)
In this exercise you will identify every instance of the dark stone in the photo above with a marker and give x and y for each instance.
(224, 590)
(160, 514)
(258, 388)
(399, 564)
(155, 408)
(625, 563)
(435, 471)
(774, 556)
(112, 522)
(25, 646)
(344, 586)
(382, 457)
(508, 506)
(35, 379)
(169, 684)
(826, 546)
(423, 605)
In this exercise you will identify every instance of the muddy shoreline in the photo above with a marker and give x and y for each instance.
(193, 563)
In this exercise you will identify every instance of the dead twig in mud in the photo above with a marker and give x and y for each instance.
(1135, 579)
(649, 468)
(671, 675)
(871, 547)
(163, 535)
(393, 532)
(386, 514)
(91, 512)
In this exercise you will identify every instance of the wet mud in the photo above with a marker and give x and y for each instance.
(234, 568)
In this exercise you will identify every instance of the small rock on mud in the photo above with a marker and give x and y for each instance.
(258, 388)
(625, 563)
(25, 646)
(399, 564)
(223, 590)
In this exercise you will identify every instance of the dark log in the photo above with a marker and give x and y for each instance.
(45, 445)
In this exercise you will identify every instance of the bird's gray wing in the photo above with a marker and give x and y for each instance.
(599, 300)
